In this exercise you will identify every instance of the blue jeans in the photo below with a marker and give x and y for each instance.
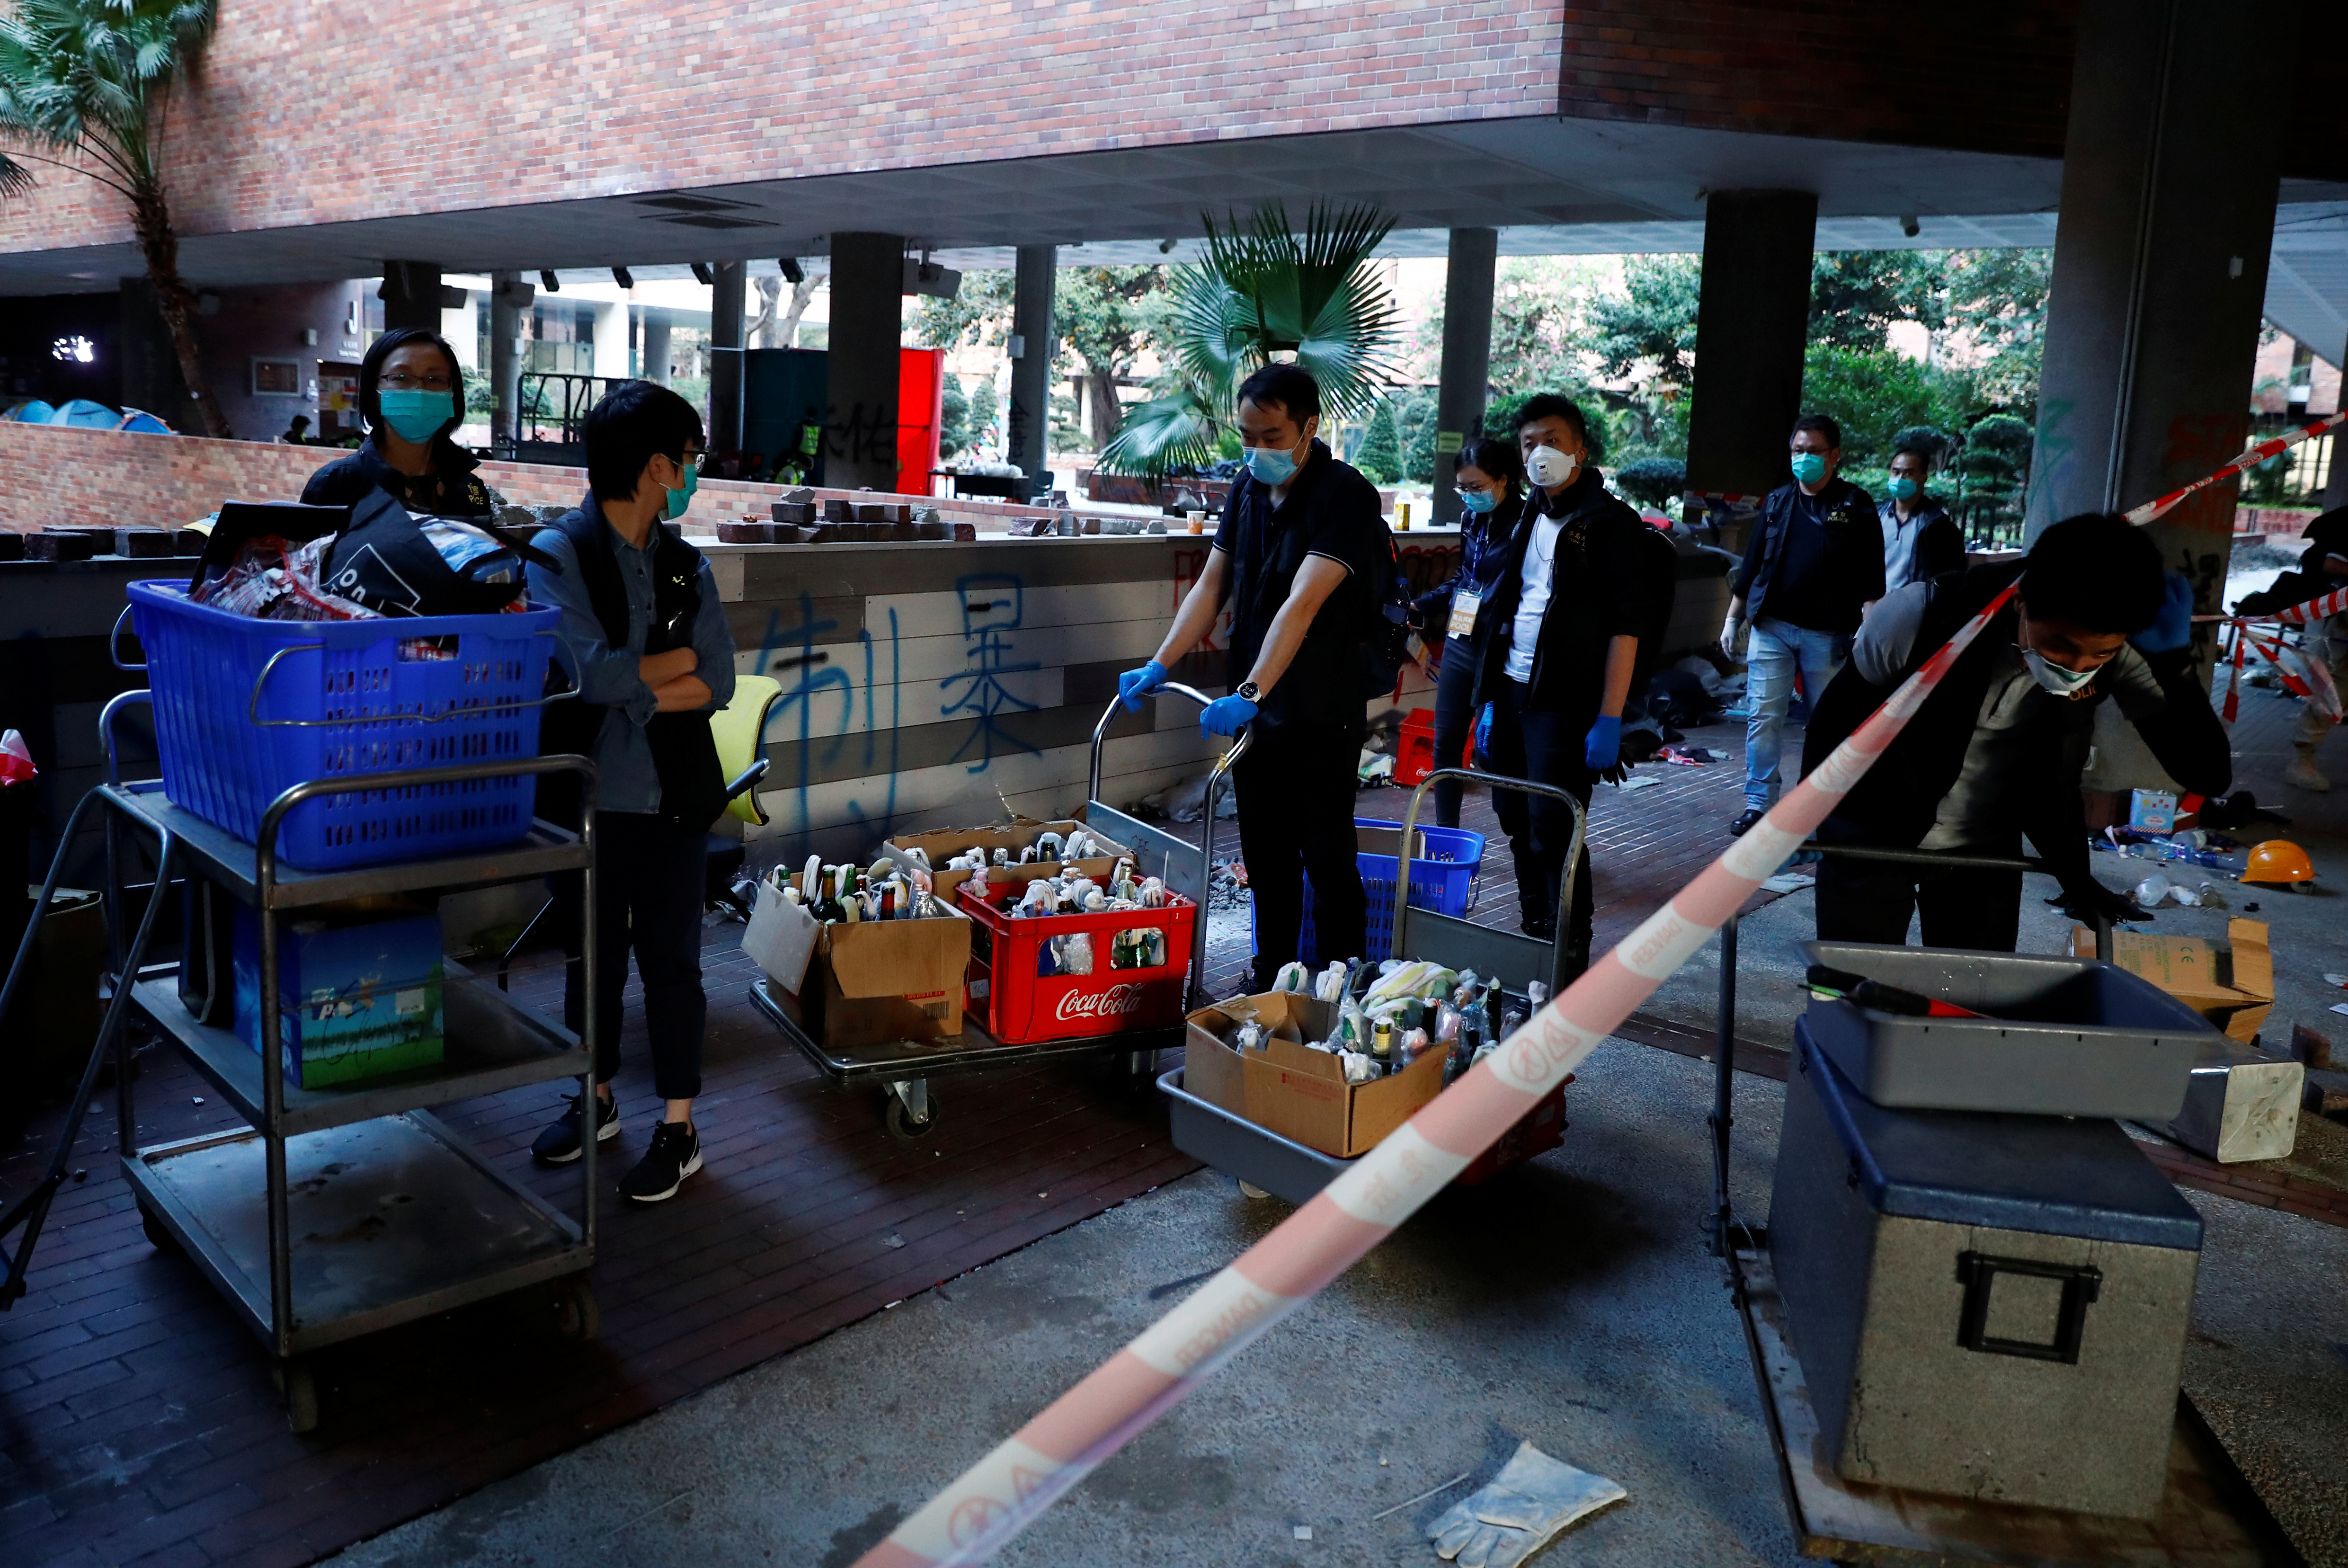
(1779, 648)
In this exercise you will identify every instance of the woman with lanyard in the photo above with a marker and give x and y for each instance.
(1490, 480)
(412, 396)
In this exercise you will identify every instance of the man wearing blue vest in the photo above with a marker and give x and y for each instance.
(645, 639)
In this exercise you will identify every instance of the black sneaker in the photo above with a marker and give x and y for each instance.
(675, 1155)
(1737, 828)
(559, 1144)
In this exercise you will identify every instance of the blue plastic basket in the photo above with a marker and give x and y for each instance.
(391, 679)
(1443, 880)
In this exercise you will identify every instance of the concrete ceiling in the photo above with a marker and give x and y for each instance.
(1554, 186)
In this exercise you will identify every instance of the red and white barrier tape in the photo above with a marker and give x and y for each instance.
(997, 1497)
(2252, 458)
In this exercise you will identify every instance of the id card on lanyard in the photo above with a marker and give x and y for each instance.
(1464, 605)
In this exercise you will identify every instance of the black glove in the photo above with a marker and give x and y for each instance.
(2083, 901)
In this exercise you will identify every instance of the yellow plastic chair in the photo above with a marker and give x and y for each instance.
(738, 728)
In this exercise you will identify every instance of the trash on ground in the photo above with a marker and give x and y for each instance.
(1686, 756)
(1517, 1512)
(1787, 882)
(1639, 781)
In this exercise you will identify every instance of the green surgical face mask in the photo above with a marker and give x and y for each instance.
(417, 416)
(678, 500)
(1903, 489)
(1809, 467)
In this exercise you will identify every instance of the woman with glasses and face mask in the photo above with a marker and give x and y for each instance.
(412, 396)
(1490, 478)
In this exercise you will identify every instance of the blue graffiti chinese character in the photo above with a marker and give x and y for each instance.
(993, 607)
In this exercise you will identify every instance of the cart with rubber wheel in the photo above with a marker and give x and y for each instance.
(1263, 1163)
(905, 1069)
(344, 1209)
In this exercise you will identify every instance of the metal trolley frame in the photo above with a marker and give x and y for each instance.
(905, 1069)
(345, 1208)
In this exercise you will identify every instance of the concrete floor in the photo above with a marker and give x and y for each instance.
(1574, 1305)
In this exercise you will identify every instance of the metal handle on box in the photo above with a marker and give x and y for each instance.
(1558, 978)
(253, 707)
(1198, 981)
(1978, 1272)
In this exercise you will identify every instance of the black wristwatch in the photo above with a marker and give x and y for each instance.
(1250, 690)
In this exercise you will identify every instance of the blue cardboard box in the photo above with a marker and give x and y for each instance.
(356, 998)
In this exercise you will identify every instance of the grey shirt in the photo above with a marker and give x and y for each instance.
(1977, 813)
(609, 677)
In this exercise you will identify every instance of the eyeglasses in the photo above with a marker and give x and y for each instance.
(692, 461)
(400, 381)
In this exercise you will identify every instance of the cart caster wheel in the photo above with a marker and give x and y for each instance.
(576, 1319)
(158, 1236)
(299, 1388)
(1250, 1189)
(904, 1128)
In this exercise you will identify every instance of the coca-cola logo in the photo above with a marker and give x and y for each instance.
(1114, 1003)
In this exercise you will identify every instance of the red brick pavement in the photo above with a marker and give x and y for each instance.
(138, 1421)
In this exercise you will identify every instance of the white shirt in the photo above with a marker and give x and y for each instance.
(1533, 601)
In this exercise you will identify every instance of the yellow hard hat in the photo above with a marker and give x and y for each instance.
(2278, 861)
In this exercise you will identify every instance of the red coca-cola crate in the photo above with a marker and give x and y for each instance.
(1414, 751)
(1012, 1002)
(1537, 1131)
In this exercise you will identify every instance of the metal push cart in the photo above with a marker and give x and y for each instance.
(1264, 1161)
(904, 1068)
(2210, 1517)
(345, 1208)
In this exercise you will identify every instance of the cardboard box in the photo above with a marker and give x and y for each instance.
(2153, 810)
(2232, 986)
(357, 998)
(1300, 1093)
(880, 980)
(943, 843)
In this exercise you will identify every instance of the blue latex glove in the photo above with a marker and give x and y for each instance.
(1134, 684)
(1484, 731)
(2173, 627)
(1225, 716)
(1603, 747)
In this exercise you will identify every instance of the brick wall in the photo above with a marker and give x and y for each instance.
(53, 475)
(438, 105)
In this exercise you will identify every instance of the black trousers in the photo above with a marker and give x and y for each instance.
(1454, 721)
(648, 892)
(1296, 820)
(1546, 747)
(1868, 901)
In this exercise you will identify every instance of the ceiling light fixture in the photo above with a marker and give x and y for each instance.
(548, 281)
(619, 276)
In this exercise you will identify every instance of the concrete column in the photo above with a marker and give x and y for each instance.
(1753, 314)
(866, 315)
(411, 296)
(2159, 281)
(150, 370)
(508, 297)
(726, 356)
(461, 326)
(612, 339)
(655, 356)
(1466, 370)
(1026, 435)
(2160, 269)
(2335, 487)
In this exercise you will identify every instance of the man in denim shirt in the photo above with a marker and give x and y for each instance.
(644, 637)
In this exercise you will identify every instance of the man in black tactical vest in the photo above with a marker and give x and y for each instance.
(645, 639)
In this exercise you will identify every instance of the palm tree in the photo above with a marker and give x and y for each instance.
(84, 85)
(1261, 291)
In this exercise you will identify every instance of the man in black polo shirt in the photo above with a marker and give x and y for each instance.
(1301, 542)
(1815, 563)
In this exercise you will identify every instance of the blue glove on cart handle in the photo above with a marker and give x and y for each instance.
(1225, 715)
(1484, 731)
(1132, 685)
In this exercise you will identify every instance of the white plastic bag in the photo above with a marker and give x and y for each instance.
(781, 937)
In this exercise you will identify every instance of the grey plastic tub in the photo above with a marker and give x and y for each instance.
(2073, 1037)
(1238, 1147)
